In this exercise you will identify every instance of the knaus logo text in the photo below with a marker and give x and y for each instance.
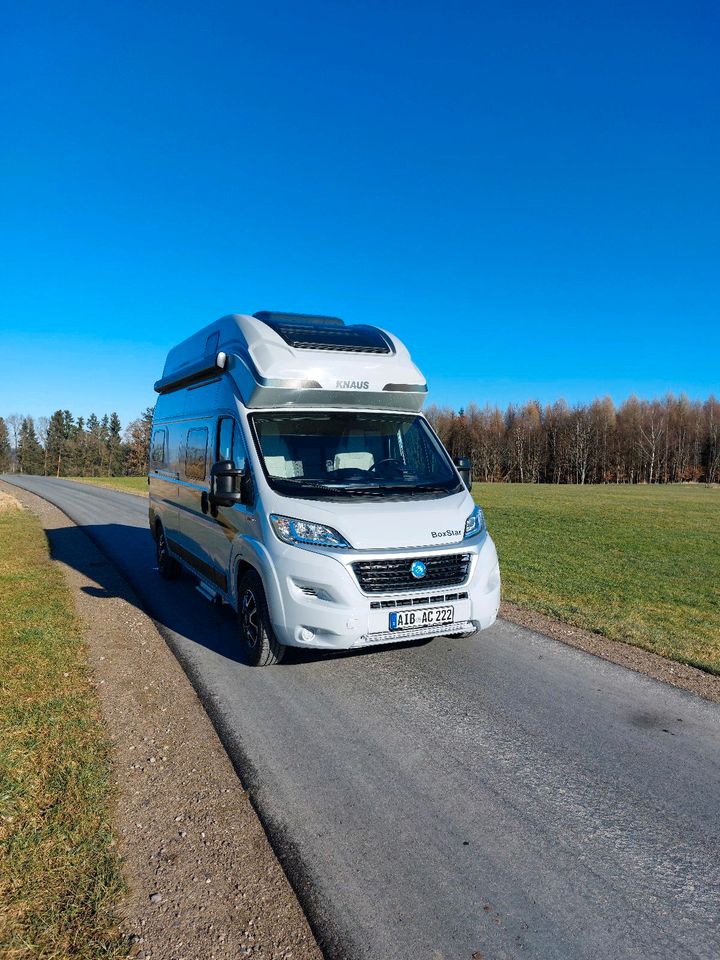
(352, 385)
(444, 533)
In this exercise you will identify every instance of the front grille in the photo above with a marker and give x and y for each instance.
(394, 576)
(417, 601)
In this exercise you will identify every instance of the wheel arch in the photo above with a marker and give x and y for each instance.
(253, 555)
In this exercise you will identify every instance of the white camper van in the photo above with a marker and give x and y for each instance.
(292, 473)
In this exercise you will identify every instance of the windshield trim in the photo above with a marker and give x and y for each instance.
(312, 489)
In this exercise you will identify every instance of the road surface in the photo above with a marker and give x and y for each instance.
(503, 797)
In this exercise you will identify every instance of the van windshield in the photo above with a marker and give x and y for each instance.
(348, 454)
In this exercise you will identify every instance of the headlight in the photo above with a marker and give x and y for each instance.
(475, 523)
(291, 530)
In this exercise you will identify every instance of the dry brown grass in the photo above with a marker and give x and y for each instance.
(60, 876)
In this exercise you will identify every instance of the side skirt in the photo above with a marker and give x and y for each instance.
(206, 570)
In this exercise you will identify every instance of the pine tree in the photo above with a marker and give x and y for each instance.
(59, 444)
(79, 449)
(104, 433)
(29, 451)
(69, 431)
(94, 446)
(55, 443)
(115, 457)
(4, 447)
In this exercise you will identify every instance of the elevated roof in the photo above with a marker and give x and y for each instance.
(281, 359)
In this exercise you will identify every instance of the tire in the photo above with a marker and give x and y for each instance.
(259, 643)
(168, 567)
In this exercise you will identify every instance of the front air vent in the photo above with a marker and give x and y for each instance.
(417, 601)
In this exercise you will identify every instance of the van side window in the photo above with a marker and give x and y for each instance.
(196, 454)
(158, 448)
(230, 444)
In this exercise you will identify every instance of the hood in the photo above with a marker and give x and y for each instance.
(391, 525)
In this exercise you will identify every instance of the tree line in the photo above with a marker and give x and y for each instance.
(642, 441)
(672, 440)
(65, 446)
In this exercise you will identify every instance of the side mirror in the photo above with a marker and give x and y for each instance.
(225, 484)
(464, 468)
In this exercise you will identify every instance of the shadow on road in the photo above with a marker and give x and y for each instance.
(177, 608)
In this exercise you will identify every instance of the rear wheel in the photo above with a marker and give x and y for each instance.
(168, 567)
(260, 644)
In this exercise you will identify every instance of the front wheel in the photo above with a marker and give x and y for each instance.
(259, 643)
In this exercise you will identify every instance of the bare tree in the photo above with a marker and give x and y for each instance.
(651, 433)
(42, 425)
(14, 423)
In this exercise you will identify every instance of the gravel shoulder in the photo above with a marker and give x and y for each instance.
(680, 675)
(204, 881)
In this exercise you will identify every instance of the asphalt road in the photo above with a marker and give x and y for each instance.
(504, 797)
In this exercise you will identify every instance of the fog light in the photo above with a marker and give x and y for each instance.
(307, 635)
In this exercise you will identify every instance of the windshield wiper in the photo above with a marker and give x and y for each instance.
(312, 484)
(395, 488)
(306, 482)
(372, 489)
(419, 487)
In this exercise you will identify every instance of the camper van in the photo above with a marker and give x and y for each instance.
(293, 474)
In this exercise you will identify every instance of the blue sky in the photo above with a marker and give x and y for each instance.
(527, 193)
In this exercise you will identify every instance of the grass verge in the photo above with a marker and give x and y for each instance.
(60, 877)
(137, 485)
(639, 564)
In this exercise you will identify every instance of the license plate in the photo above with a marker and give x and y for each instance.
(427, 617)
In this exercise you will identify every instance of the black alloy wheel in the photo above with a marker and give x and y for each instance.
(260, 645)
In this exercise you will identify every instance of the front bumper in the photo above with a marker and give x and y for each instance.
(315, 599)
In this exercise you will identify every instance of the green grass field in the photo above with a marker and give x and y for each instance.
(60, 878)
(138, 485)
(640, 564)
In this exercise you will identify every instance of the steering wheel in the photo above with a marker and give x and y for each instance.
(398, 463)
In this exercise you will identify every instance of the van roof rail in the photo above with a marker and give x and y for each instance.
(305, 332)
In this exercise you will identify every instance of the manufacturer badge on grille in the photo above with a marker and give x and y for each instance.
(418, 569)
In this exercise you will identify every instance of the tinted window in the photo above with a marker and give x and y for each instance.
(196, 454)
(158, 448)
